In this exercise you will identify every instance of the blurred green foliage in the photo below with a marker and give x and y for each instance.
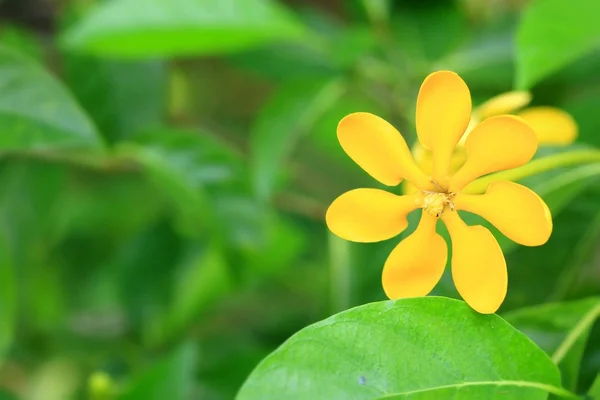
(165, 167)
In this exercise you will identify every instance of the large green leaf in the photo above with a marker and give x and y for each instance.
(552, 34)
(561, 330)
(149, 28)
(35, 110)
(170, 378)
(420, 348)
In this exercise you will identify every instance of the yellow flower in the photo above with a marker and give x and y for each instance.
(416, 264)
(552, 126)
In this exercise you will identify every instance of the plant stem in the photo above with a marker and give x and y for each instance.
(95, 161)
(535, 167)
(579, 329)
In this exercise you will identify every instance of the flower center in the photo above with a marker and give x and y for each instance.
(435, 203)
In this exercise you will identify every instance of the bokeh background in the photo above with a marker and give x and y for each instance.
(166, 166)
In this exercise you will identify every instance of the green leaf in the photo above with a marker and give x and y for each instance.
(288, 115)
(594, 392)
(31, 207)
(561, 330)
(170, 378)
(122, 97)
(22, 41)
(182, 164)
(203, 278)
(35, 110)
(419, 348)
(8, 297)
(557, 187)
(4, 395)
(563, 267)
(143, 28)
(552, 34)
(286, 62)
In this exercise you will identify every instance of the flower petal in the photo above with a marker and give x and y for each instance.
(416, 265)
(551, 125)
(517, 212)
(369, 215)
(505, 103)
(378, 148)
(478, 265)
(443, 114)
(496, 144)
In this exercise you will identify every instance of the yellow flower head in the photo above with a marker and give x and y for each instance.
(371, 215)
(552, 126)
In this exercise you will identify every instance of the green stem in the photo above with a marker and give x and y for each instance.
(535, 167)
(96, 161)
(341, 274)
(578, 330)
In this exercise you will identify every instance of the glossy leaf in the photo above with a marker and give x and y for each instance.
(561, 330)
(420, 348)
(553, 34)
(35, 110)
(141, 28)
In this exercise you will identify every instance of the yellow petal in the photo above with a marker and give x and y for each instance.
(378, 148)
(551, 125)
(478, 265)
(424, 158)
(443, 114)
(369, 215)
(517, 212)
(472, 124)
(505, 103)
(416, 265)
(496, 144)
(409, 188)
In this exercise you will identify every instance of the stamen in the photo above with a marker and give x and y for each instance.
(435, 203)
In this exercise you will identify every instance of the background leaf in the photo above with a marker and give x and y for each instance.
(36, 112)
(398, 349)
(8, 297)
(561, 330)
(172, 377)
(202, 221)
(594, 392)
(139, 28)
(123, 98)
(551, 35)
(291, 113)
(184, 164)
